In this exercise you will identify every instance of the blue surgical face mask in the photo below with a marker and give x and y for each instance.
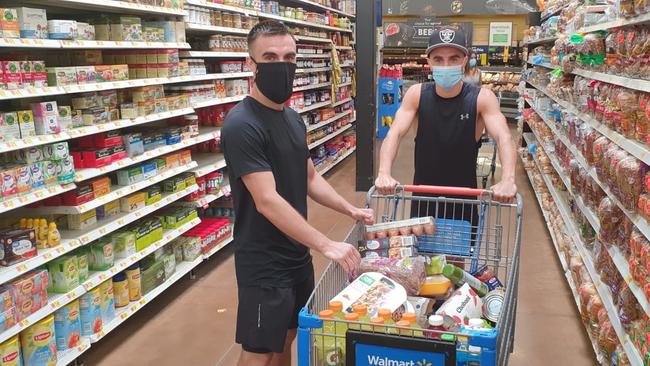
(447, 77)
(472, 62)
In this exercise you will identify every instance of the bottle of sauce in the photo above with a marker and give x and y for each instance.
(459, 277)
(436, 324)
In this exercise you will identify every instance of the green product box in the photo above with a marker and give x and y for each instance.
(177, 249)
(161, 165)
(82, 263)
(155, 231)
(126, 28)
(124, 244)
(126, 177)
(102, 255)
(153, 276)
(169, 265)
(174, 185)
(64, 272)
(141, 239)
(153, 194)
(190, 179)
(191, 248)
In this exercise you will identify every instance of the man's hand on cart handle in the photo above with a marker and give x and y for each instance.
(344, 254)
(365, 215)
(385, 184)
(504, 191)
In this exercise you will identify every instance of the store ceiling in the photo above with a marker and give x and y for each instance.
(456, 7)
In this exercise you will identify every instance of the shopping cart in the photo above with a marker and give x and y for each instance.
(491, 236)
(485, 166)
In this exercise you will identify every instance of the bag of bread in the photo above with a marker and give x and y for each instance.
(586, 291)
(610, 217)
(607, 338)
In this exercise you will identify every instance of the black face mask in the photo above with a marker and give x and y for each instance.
(275, 80)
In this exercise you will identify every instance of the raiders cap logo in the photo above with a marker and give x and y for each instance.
(447, 35)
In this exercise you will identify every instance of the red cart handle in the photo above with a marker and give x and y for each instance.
(452, 191)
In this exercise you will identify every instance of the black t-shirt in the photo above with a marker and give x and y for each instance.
(255, 139)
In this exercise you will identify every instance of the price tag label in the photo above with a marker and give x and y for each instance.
(23, 199)
(134, 307)
(124, 315)
(13, 144)
(120, 222)
(56, 304)
(21, 268)
(25, 323)
(60, 250)
(47, 256)
(39, 194)
(70, 295)
(102, 277)
(100, 43)
(142, 301)
(8, 204)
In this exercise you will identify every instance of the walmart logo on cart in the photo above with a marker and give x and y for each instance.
(385, 361)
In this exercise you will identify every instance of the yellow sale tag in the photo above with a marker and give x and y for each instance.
(56, 304)
(24, 323)
(21, 268)
(85, 239)
(134, 307)
(60, 250)
(47, 256)
(123, 315)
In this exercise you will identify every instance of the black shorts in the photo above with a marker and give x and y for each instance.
(265, 314)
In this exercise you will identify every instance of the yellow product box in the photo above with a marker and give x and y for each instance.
(9, 23)
(133, 202)
(82, 220)
(10, 352)
(173, 160)
(108, 210)
(26, 123)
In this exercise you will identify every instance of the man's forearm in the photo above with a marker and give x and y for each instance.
(323, 193)
(508, 157)
(280, 213)
(387, 153)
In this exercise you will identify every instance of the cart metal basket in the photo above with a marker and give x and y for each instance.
(486, 165)
(472, 230)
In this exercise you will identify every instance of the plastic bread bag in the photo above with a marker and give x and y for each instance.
(624, 231)
(607, 338)
(408, 272)
(593, 307)
(630, 181)
(601, 145)
(610, 216)
(637, 243)
(585, 292)
(628, 307)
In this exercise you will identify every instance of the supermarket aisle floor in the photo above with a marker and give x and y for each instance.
(193, 323)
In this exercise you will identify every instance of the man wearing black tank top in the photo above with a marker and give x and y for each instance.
(450, 118)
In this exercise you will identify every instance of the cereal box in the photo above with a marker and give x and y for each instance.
(32, 22)
(67, 326)
(12, 75)
(9, 23)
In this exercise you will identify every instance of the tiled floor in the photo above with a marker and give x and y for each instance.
(193, 322)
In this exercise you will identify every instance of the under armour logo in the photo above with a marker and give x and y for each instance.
(464, 116)
(447, 35)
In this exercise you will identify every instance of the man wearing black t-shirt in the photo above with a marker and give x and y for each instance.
(271, 175)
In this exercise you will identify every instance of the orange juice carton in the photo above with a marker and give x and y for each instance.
(32, 22)
(9, 23)
(39, 74)
(26, 124)
(12, 75)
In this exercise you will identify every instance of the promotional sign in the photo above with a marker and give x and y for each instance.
(415, 33)
(442, 8)
(389, 350)
(390, 98)
(481, 53)
(500, 34)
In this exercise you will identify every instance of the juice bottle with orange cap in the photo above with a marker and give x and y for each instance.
(403, 327)
(362, 310)
(388, 319)
(341, 326)
(337, 308)
(328, 351)
(413, 320)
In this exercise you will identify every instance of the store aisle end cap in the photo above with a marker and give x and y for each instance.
(447, 37)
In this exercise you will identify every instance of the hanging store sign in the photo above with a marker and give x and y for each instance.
(415, 33)
(501, 34)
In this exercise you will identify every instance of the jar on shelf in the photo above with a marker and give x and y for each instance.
(215, 43)
(300, 14)
(227, 20)
(237, 21)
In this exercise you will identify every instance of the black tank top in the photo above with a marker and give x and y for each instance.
(445, 145)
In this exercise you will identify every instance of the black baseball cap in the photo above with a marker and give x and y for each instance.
(448, 37)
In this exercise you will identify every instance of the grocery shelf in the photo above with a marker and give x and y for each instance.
(630, 83)
(113, 6)
(96, 278)
(343, 48)
(34, 196)
(218, 247)
(600, 357)
(636, 219)
(72, 44)
(207, 199)
(618, 258)
(205, 134)
(207, 163)
(218, 101)
(314, 55)
(348, 65)
(323, 7)
(313, 69)
(311, 87)
(64, 358)
(341, 102)
(616, 23)
(312, 39)
(133, 83)
(601, 288)
(545, 64)
(44, 255)
(105, 227)
(54, 303)
(330, 136)
(117, 192)
(122, 314)
(192, 27)
(314, 106)
(324, 123)
(212, 54)
(213, 5)
(554, 12)
(541, 41)
(345, 84)
(337, 161)
(637, 149)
